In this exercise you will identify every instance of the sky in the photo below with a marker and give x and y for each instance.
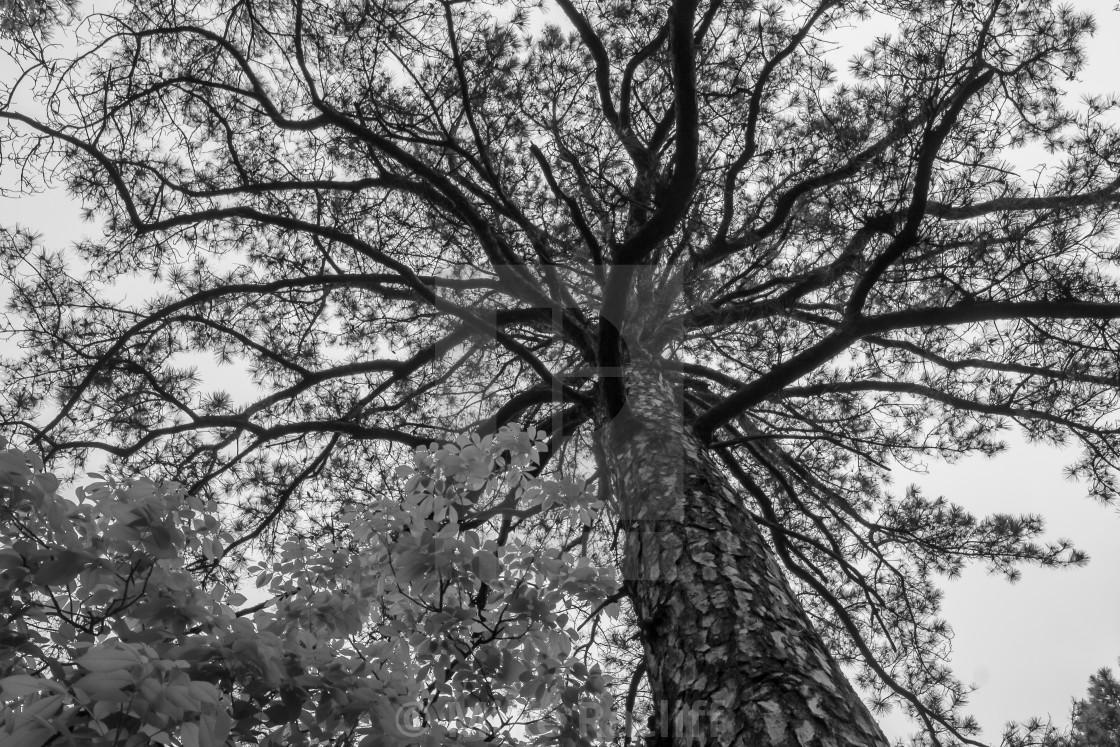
(1030, 646)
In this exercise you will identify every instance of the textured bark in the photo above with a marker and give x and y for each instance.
(732, 657)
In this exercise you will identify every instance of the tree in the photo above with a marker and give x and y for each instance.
(1095, 720)
(730, 288)
(109, 640)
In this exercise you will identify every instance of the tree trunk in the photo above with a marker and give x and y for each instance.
(732, 659)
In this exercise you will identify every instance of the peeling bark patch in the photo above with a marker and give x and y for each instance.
(775, 727)
(805, 733)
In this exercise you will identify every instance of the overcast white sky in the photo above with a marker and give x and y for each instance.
(1029, 646)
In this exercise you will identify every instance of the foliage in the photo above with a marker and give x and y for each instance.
(366, 225)
(28, 19)
(108, 637)
(1096, 719)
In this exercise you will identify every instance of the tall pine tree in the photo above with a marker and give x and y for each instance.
(732, 289)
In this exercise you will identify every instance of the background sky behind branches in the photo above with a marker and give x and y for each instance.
(1030, 646)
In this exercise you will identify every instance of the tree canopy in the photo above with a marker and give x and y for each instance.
(104, 619)
(1096, 718)
(733, 288)
(1094, 722)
